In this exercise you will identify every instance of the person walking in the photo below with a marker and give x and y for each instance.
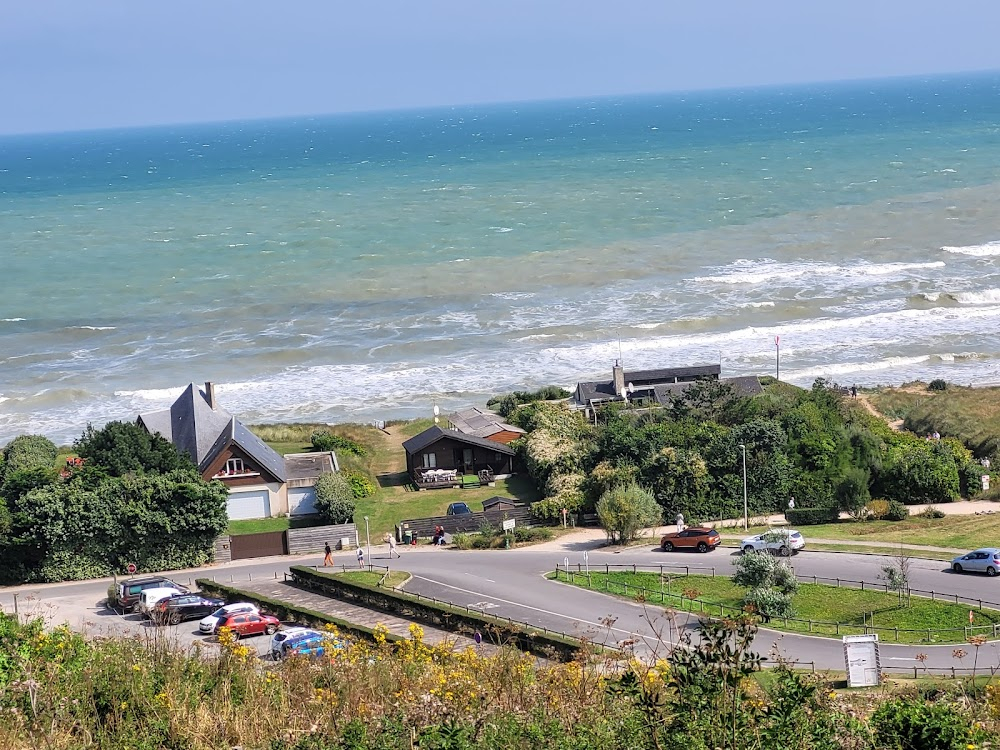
(854, 391)
(392, 547)
(680, 522)
(361, 557)
(328, 556)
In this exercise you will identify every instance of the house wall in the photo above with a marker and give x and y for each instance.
(445, 453)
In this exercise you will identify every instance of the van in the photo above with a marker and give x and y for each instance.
(125, 594)
(149, 597)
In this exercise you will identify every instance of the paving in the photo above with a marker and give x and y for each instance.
(352, 613)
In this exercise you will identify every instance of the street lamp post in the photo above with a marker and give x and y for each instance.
(368, 541)
(746, 513)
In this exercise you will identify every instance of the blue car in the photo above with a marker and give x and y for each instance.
(310, 644)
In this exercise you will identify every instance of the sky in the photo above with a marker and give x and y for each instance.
(72, 65)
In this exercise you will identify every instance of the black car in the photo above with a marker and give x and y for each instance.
(458, 509)
(179, 607)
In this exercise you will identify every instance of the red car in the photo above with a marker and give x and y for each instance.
(249, 623)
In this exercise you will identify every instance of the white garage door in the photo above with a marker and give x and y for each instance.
(255, 504)
(301, 500)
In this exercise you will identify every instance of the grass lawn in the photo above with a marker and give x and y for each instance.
(261, 525)
(960, 532)
(372, 577)
(818, 603)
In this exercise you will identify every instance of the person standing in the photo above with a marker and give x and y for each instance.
(680, 522)
(854, 391)
(361, 557)
(392, 547)
(328, 556)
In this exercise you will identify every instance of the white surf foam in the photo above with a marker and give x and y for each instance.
(986, 249)
(985, 297)
(93, 328)
(12, 320)
(747, 272)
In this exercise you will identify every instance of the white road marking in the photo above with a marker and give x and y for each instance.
(479, 577)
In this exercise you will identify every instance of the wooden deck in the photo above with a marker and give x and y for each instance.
(431, 480)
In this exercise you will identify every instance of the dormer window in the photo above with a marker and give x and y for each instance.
(235, 466)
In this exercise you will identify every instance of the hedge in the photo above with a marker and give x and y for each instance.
(459, 620)
(289, 612)
(811, 516)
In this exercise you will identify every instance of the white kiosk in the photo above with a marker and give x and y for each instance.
(861, 658)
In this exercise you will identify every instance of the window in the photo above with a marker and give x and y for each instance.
(430, 461)
(235, 466)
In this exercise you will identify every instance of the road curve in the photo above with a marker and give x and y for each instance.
(512, 584)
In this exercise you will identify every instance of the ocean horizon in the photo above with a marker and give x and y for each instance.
(369, 266)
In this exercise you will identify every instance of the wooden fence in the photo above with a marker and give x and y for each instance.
(312, 539)
(467, 522)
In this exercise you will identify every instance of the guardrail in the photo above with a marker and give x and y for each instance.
(719, 609)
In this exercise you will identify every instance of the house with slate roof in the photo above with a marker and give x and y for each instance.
(483, 423)
(654, 386)
(448, 458)
(261, 482)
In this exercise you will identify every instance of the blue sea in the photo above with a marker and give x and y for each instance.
(369, 266)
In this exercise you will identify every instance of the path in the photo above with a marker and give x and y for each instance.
(895, 424)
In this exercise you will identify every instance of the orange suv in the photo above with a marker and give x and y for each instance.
(697, 537)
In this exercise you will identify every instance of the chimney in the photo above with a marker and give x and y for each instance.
(618, 376)
(210, 393)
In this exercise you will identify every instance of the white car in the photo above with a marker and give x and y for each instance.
(283, 635)
(149, 597)
(208, 623)
(783, 541)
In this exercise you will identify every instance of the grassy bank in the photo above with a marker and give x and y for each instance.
(815, 606)
(970, 414)
(63, 692)
(958, 532)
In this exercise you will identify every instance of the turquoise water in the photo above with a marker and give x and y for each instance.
(369, 266)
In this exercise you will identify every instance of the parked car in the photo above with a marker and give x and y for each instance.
(458, 509)
(985, 560)
(180, 607)
(125, 594)
(783, 541)
(149, 598)
(210, 622)
(700, 538)
(282, 635)
(310, 644)
(250, 623)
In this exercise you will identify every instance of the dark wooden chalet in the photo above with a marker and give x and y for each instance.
(447, 458)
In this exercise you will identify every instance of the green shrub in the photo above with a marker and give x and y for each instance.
(29, 452)
(461, 541)
(931, 512)
(811, 516)
(362, 485)
(937, 385)
(326, 441)
(897, 511)
(916, 725)
(335, 499)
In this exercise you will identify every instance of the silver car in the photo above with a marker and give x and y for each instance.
(985, 560)
(784, 542)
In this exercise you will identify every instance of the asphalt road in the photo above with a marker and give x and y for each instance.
(512, 584)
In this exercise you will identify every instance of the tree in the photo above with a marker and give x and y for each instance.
(122, 448)
(335, 498)
(29, 452)
(624, 511)
(770, 583)
(897, 574)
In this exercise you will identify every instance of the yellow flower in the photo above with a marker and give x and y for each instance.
(136, 668)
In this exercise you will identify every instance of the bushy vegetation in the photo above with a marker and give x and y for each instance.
(327, 441)
(770, 584)
(493, 537)
(507, 404)
(816, 445)
(335, 498)
(135, 499)
(62, 692)
(624, 511)
(362, 485)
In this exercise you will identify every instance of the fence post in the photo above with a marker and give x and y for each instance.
(932, 596)
(896, 633)
(633, 568)
(928, 635)
(956, 598)
(713, 571)
(838, 627)
(838, 583)
(810, 626)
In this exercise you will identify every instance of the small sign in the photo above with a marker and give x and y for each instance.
(478, 638)
(862, 660)
(986, 482)
(971, 618)
(130, 568)
(777, 340)
(508, 524)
